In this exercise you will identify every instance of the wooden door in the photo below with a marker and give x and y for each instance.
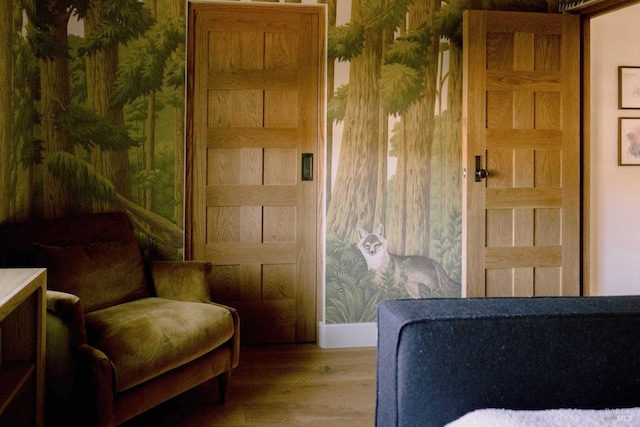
(521, 106)
(254, 111)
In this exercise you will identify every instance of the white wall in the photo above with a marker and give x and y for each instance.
(615, 190)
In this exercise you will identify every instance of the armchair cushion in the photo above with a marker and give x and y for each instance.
(150, 336)
(90, 271)
(180, 280)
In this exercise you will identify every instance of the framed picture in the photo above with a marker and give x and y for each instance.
(628, 87)
(629, 141)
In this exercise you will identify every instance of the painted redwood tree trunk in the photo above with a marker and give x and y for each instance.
(149, 146)
(354, 194)
(102, 67)
(6, 116)
(453, 143)
(331, 73)
(408, 228)
(60, 198)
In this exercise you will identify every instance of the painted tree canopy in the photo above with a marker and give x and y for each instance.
(84, 135)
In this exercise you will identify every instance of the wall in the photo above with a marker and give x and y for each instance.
(111, 137)
(395, 159)
(97, 117)
(615, 190)
(395, 156)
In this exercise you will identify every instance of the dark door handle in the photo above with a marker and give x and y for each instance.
(480, 173)
(307, 166)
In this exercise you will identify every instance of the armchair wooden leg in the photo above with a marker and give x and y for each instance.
(223, 385)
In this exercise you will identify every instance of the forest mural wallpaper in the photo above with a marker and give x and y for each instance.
(93, 112)
(92, 119)
(394, 198)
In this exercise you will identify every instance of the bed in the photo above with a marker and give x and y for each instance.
(549, 418)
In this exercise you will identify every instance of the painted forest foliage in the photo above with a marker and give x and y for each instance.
(403, 101)
(93, 120)
(92, 112)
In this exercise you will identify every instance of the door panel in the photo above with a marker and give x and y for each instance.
(254, 98)
(521, 118)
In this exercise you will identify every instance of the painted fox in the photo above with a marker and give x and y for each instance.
(418, 270)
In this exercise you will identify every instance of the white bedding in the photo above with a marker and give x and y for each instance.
(550, 418)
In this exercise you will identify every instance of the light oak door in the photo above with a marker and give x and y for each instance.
(254, 113)
(521, 223)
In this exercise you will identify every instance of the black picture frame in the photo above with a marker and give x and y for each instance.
(629, 141)
(628, 87)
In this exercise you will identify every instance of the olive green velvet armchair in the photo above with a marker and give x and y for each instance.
(123, 334)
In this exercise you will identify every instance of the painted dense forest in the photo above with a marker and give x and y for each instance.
(401, 108)
(92, 112)
(92, 119)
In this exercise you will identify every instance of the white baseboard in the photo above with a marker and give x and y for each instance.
(343, 335)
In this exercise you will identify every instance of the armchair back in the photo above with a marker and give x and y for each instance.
(16, 240)
(95, 257)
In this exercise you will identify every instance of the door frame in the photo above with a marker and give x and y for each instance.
(586, 14)
(320, 163)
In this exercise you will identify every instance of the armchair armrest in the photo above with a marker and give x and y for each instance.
(235, 340)
(66, 310)
(75, 370)
(66, 334)
(181, 280)
(95, 387)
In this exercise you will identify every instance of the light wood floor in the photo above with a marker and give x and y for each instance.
(298, 385)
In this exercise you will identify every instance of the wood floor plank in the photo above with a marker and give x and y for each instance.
(295, 384)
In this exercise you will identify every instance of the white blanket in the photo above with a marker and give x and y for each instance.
(550, 418)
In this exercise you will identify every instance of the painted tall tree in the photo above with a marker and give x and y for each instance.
(26, 156)
(67, 123)
(331, 72)
(355, 185)
(445, 224)
(386, 22)
(143, 71)
(108, 24)
(149, 145)
(51, 45)
(356, 195)
(408, 228)
(6, 116)
(177, 78)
